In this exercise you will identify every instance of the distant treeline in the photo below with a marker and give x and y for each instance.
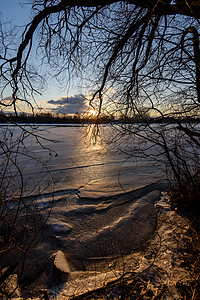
(49, 118)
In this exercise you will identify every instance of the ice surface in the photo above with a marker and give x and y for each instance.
(74, 162)
(111, 186)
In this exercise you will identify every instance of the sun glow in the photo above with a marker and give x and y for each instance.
(92, 112)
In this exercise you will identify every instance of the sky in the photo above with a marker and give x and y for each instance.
(54, 98)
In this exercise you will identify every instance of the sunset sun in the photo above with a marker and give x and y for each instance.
(92, 112)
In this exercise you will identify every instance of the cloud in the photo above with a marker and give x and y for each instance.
(6, 100)
(68, 100)
(69, 105)
(9, 98)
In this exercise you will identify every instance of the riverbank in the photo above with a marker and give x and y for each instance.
(94, 247)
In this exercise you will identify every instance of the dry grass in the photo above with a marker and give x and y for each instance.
(191, 262)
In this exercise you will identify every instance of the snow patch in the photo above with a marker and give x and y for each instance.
(61, 262)
(57, 227)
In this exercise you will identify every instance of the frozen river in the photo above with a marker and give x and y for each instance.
(102, 205)
(69, 157)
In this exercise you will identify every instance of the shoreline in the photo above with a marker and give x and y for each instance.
(158, 263)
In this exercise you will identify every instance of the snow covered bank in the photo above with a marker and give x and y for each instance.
(159, 265)
(87, 242)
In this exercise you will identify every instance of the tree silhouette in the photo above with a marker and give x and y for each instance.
(126, 32)
(146, 51)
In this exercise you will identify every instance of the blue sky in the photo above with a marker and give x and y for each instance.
(12, 10)
(20, 14)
